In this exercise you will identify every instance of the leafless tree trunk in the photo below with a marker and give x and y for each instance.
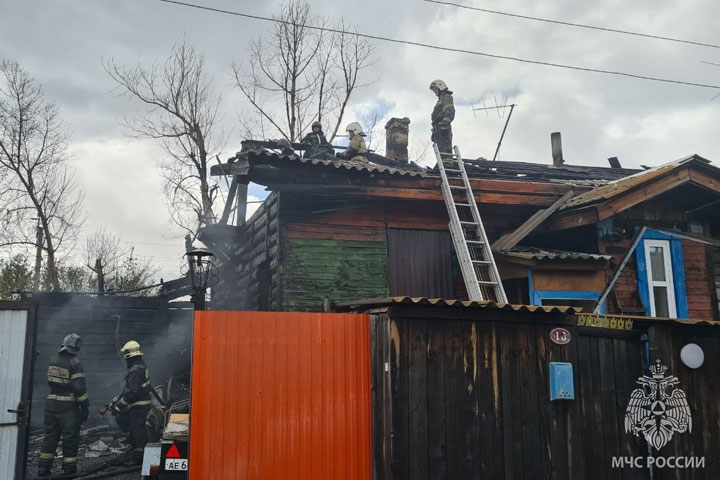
(182, 112)
(300, 74)
(102, 254)
(35, 181)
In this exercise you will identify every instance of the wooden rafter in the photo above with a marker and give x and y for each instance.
(506, 242)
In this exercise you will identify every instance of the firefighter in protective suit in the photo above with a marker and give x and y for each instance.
(320, 146)
(356, 150)
(133, 403)
(66, 407)
(442, 116)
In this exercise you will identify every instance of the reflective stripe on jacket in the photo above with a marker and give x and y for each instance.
(137, 386)
(66, 379)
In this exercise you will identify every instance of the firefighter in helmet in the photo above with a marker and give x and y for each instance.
(133, 403)
(442, 116)
(356, 150)
(66, 407)
(316, 138)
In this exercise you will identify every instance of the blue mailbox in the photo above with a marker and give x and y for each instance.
(561, 381)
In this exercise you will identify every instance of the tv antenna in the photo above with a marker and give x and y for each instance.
(507, 121)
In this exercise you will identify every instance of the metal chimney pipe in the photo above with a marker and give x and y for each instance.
(557, 154)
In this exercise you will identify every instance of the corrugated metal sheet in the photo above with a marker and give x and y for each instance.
(420, 263)
(533, 253)
(623, 185)
(13, 326)
(444, 302)
(280, 395)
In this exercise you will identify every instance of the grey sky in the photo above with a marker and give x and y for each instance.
(62, 42)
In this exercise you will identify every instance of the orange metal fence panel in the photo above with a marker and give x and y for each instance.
(280, 395)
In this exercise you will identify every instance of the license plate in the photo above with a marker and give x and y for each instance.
(176, 464)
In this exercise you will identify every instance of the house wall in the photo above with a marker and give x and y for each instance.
(330, 249)
(714, 256)
(666, 212)
(249, 266)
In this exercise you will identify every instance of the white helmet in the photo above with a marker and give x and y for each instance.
(439, 84)
(355, 128)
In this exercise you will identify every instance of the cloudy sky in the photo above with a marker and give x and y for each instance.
(62, 44)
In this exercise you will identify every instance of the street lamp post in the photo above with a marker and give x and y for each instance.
(200, 263)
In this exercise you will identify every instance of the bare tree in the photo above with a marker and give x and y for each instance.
(102, 252)
(35, 182)
(182, 111)
(300, 74)
(114, 265)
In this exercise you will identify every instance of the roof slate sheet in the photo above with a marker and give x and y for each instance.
(533, 253)
(444, 302)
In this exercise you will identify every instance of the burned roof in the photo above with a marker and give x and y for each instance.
(588, 176)
(622, 185)
(576, 174)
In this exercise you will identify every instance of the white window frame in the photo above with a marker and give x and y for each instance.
(669, 283)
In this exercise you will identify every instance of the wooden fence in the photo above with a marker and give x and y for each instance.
(463, 393)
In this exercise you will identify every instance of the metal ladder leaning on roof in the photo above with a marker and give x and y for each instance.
(477, 263)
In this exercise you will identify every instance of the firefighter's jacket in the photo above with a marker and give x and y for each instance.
(356, 150)
(444, 112)
(66, 379)
(137, 385)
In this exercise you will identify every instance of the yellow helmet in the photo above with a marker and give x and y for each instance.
(131, 349)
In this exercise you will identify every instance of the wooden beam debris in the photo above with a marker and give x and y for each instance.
(507, 242)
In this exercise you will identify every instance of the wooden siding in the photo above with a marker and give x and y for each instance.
(341, 270)
(421, 263)
(296, 403)
(714, 256)
(698, 279)
(257, 279)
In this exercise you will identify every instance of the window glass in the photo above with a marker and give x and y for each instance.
(657, 264)
(660, 279)
(661, 302)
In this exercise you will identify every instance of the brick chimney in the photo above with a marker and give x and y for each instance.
(396, 139)
(557, 153)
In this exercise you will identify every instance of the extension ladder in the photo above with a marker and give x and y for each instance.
(477, 263)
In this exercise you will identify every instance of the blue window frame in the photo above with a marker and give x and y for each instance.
(537, 296)
(679, 296)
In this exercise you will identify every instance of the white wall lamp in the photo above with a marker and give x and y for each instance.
(692, 355)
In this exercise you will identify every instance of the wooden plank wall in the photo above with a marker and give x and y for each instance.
(331, 250)
(714, 267)
(258, 255)
(468, 397)
(163, 332)
(338, 247)
(668, 213)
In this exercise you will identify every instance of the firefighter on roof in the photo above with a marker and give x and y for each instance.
(134, 402)
(442, 116)
(317, 139)
(66, 407)
(356, 150)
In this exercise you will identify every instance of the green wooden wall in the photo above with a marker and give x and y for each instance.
(342, 270)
